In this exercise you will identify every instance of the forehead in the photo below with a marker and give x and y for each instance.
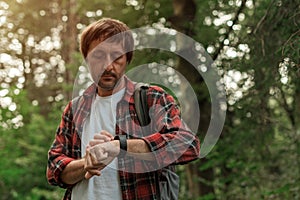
(106, 46)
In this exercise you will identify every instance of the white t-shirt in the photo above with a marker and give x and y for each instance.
(102, 117)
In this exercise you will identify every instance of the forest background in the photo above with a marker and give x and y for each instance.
(255, 45)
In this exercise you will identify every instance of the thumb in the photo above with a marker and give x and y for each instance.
(87, 175)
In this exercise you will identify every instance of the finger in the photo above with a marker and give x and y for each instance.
(105, 138)
(95, 142)
(88, 175)
(92, 173)
(87, 163)
(94, 168)
(106, 133)
(88, 147)
(91, 163)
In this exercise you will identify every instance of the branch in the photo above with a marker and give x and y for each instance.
(263, 18)
(230, 29)
(288, 40)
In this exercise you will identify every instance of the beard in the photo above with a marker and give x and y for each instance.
(108, 81)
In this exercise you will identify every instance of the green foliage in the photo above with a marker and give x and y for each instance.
(257, 156)
(24, 152)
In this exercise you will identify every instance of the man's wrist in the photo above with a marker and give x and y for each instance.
(116, 144)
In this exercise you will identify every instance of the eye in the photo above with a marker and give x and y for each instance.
(117, 56)
(97, 55)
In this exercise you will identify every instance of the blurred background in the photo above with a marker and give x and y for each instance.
(255, 45)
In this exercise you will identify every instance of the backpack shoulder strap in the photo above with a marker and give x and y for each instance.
(140, 103)
(167, 175)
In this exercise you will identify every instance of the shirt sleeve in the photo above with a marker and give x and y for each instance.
(60, 153)
(173, 142)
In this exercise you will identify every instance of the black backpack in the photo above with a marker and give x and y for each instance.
(167, 180)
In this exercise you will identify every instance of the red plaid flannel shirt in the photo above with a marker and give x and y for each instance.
(184, 147)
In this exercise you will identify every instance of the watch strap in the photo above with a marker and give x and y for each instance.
(123, 144)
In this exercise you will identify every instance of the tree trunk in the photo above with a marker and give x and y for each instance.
(69, 40)
(184, 13)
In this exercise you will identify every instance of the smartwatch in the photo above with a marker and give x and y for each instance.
(123, 144)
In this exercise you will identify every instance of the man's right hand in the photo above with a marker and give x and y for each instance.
(99, 154)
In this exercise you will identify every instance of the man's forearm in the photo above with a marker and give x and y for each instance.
(74, 172)
(139, 148)
(100, 155)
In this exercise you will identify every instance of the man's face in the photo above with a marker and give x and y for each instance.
(107, 63)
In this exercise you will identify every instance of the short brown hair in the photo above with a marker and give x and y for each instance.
(104, 29)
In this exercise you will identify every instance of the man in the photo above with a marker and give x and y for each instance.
(100, 151)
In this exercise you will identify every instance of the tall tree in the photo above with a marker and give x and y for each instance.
(183, 20)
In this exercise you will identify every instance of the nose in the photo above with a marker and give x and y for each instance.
(109, 65)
